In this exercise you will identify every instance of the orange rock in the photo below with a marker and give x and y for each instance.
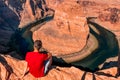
(14, 69)
(67, 32)
(32, 12)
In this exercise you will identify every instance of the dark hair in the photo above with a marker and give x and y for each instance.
(38, 44)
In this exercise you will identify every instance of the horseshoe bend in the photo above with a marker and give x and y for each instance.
(82, 35)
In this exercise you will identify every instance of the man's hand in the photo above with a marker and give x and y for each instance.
(49, 55)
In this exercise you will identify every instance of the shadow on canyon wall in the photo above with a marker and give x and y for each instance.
(9, 22)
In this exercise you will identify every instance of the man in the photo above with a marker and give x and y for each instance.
(38, 62)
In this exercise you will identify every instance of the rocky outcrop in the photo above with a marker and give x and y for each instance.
(27, 11)
(63, 32)
(63, 35)
(14, 69)
(11, 68)
(107, 16)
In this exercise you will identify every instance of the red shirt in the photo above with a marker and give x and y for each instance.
(36, 63)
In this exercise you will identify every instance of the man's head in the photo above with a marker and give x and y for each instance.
(37, 44)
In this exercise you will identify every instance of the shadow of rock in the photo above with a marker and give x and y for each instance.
(110, 64)
(9, 22)
(7, 66)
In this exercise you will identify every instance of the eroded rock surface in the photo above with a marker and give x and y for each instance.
(14, 69)
(63, 35)
(107, 16)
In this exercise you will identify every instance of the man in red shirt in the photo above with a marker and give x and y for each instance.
(38, 62)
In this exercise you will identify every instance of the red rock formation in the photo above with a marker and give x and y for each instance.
(63, 35)
(107, 16)
(32, 10)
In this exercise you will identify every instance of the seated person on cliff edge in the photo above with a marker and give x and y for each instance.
(38, 61)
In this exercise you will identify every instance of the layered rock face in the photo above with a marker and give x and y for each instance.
(72, 30)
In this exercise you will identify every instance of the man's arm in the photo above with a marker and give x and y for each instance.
(49, 55)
